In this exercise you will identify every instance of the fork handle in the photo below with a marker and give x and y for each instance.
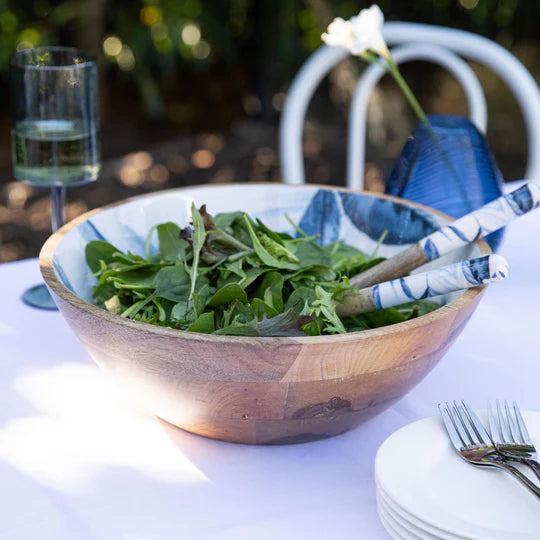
(519, 475)
(534, 466)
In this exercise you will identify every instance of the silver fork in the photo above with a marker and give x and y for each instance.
(510, 436)
(472, 442)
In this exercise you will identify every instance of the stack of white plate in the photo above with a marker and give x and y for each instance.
(426, 490)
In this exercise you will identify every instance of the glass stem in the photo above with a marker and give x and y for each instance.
(58, 204)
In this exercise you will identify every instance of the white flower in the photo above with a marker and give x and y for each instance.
(339, 34)
(360, 34)
(367, 31)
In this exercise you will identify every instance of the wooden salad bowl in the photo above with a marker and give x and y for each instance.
(258, 390)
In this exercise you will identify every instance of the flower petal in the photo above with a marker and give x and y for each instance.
(376, 15)
(360, 33)
(378, 45)
(339, 33)
(367, 27)
(359, 46)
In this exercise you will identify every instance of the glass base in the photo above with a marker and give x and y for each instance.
(39, 297)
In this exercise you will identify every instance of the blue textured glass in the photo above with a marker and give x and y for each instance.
(452, 170)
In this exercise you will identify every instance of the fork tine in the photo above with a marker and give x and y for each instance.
(462, 415)
(526, 438)
(451, 428)
(511, 423)
(477, 425)
(494, 425)
(503, 422)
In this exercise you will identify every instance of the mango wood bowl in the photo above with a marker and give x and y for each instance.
(259, 390)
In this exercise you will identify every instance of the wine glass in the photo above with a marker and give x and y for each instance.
(54, 129)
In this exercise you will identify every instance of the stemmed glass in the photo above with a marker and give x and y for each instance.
(55, 129)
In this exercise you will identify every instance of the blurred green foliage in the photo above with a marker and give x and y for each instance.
(153, 43)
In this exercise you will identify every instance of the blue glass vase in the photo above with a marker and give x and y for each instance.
(451, 169)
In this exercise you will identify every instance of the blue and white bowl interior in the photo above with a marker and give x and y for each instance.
(358, 219)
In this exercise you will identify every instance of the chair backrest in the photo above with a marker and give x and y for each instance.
(433, 43)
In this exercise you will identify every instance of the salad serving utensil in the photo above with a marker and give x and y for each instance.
(459, 233)
(472, 442)
(454, 277)
(510, 436)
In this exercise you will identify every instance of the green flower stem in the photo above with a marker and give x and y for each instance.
(394, 71)
(387, 62)
(393, 68)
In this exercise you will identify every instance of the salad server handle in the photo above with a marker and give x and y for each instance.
(459, 233)
(455, 277)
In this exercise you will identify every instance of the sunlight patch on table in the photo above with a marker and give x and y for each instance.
(83, 428)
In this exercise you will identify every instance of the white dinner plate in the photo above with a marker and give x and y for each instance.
(401, 524)
(391, 527)
(418, 469)
(412, 522)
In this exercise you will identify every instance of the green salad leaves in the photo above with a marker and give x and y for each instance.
(227, 274)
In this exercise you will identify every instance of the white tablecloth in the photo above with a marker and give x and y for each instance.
(78, 462)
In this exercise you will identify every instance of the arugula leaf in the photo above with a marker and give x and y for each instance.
(102, 292)
(183, 312)
(236, 268)
(367, 265)
(204, 324)
(171, 283)
(277, 237)
(99, 250)
(252, 275)
(171, 247)
(324, 307)
(375, 319)
(227, 294)
(200, 299)
(287, 323)
(161, 313)
(384, 317)
(128, 258)
(284, 324)
(312, 254)
(199, 235)
(225, 220)
(132, 280)
(313, 328)
(271, 290)
(424, 307)
(304, 236)
(261, 252)
(276, 249)
(260, 309)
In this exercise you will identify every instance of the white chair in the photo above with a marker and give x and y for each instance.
(416, 42)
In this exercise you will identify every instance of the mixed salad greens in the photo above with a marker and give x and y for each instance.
(229, 274)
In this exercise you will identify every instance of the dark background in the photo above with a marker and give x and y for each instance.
(191, 92)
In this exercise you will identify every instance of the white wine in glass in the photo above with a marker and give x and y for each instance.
(54, 152)
(55, 130)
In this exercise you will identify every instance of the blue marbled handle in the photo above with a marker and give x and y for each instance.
(455, 277)
(489, 218)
